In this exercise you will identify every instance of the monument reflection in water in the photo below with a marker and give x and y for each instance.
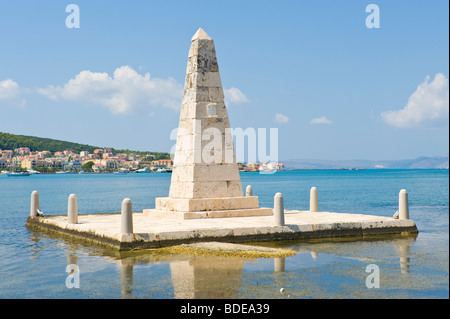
(220, 277)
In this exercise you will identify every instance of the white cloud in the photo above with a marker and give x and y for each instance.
(320, 120)
(10, 93)
(8, 89)
(281, 118)
(428, 106)
(125, 92)
(234, 95)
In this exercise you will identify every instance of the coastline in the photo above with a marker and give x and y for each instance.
(241, 171)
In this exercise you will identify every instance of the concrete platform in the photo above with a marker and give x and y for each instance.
(104, 229)
(225, 213)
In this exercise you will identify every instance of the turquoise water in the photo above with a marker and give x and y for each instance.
(33, 264)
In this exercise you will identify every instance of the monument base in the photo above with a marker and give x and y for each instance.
(194, 208)
(209, 214)
(205, 204)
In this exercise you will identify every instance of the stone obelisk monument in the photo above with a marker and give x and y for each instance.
(205, 178)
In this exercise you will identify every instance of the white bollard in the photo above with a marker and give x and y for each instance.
(313, 202)
(278, 209)
(127, 217)
(403, 207)
(72, 209)
(249, 191)
(34, 204)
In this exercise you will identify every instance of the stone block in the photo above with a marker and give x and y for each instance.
(205, 47)
(199, 111)
(205, 173)
(206, 204)
(193, 95)
(182, 174)
(211, 80)
(187, 142)
(193, 49)
(250, 212)
(225, 172)
(207, 79)
(306, 228)
(216, 94)
(181, 189)
(244, 231)
(175, 235)
(187, 157)
(213, 189)
(202, 62)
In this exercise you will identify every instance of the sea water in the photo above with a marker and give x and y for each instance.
(34, 264)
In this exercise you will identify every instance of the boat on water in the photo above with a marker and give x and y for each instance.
(14, 174)
(66, 172)
(32, 171)
(164, 170)
(143, 170)
(4, 172)
(122, 171)
(268, 168)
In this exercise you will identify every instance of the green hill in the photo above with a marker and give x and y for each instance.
(12, 141)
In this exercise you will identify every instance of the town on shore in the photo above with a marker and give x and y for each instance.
(100, 161)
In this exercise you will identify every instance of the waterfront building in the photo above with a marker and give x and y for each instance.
(22, 150)
(98, 167)
(98, 151)
(166, 163)
(74, 164)
(7, 153)
(4, 162)
(109, 163)
(43, 154)
(28, 163)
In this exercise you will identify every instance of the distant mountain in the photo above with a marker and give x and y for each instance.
(12, 141)
(441, 161)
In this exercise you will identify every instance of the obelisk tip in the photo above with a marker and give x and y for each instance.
(200, 35)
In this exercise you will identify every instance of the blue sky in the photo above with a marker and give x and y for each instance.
(334, 88)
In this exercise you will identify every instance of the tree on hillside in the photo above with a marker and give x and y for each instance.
(88, 166)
